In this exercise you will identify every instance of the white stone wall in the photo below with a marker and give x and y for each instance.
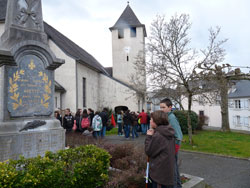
(92, 85)
(239, 118)
(113, 94)
(213, 112)
(65, 75)
(122, 69)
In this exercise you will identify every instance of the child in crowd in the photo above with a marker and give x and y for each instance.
(160, 148)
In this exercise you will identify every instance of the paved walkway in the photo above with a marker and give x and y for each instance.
(218, 172)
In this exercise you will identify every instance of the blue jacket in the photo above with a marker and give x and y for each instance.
(175, 124)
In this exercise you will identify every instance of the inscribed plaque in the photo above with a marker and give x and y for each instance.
(30, 88)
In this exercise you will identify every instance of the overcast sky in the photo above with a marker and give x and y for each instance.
(87, 22)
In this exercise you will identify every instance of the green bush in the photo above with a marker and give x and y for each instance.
(85, 166)
(181, 115)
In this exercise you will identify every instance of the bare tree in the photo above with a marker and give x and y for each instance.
(173, 63)
(222, 77)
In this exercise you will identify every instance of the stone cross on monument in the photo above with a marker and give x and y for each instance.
(27, 125)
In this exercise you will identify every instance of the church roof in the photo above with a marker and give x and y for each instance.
(66, 45)
(72, 49)
(128, 19)
(109, 70)
(69, 47)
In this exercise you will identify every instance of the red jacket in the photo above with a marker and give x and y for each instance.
(143, 117)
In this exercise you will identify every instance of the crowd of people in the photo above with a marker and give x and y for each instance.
(128, 123)
(162, 130)
(84, 120)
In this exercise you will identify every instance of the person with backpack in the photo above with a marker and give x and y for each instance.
(119, 123)
(97, 125)
(85, 123)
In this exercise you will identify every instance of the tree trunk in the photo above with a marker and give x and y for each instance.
(189, 119)
(224, 106)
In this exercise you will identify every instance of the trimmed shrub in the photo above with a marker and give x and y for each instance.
(202, 119)
(85, 166)
(131, 160)
(181, 115)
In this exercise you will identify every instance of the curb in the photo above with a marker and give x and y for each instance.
(194, 182)
(215, 154)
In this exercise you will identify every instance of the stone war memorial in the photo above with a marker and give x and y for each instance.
(27, 123)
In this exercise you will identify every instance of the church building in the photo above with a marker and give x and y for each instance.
(82, 81)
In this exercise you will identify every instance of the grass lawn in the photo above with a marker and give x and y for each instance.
(225, 143)
(112, 131)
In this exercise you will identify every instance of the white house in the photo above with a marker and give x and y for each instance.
(82, 82)
(239, 106)
(239, 111)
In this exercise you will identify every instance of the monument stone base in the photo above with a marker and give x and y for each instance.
(30, 142)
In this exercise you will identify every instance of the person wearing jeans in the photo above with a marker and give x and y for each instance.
(127, 119)
(127, 131)
(119, 122)
(134, 131)
(104, 116)
(143, 118)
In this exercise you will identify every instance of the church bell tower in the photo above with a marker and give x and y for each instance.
(128, 41)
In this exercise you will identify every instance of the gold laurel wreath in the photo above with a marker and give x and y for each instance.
(46, 97)
(14, 88)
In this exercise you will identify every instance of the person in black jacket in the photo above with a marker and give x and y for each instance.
(68, 121)
(78, 118)
(91, 115)
(127, 119)
(104, 116)
(58, 116)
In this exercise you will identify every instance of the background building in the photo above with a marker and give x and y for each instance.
(82, 82)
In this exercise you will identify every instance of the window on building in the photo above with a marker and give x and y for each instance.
(201, 100)
(56, 105)
(230, 103)
(246, 121)
(237, 104)
(127, 58)
(238, 122)
(201, 113)
(217, 100)
(245, 102)
(133, 32)
(149, 106)
(120, 33)
(84, 92)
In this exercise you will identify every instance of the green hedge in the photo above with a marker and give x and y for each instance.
(181, 115)
(85, 166)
